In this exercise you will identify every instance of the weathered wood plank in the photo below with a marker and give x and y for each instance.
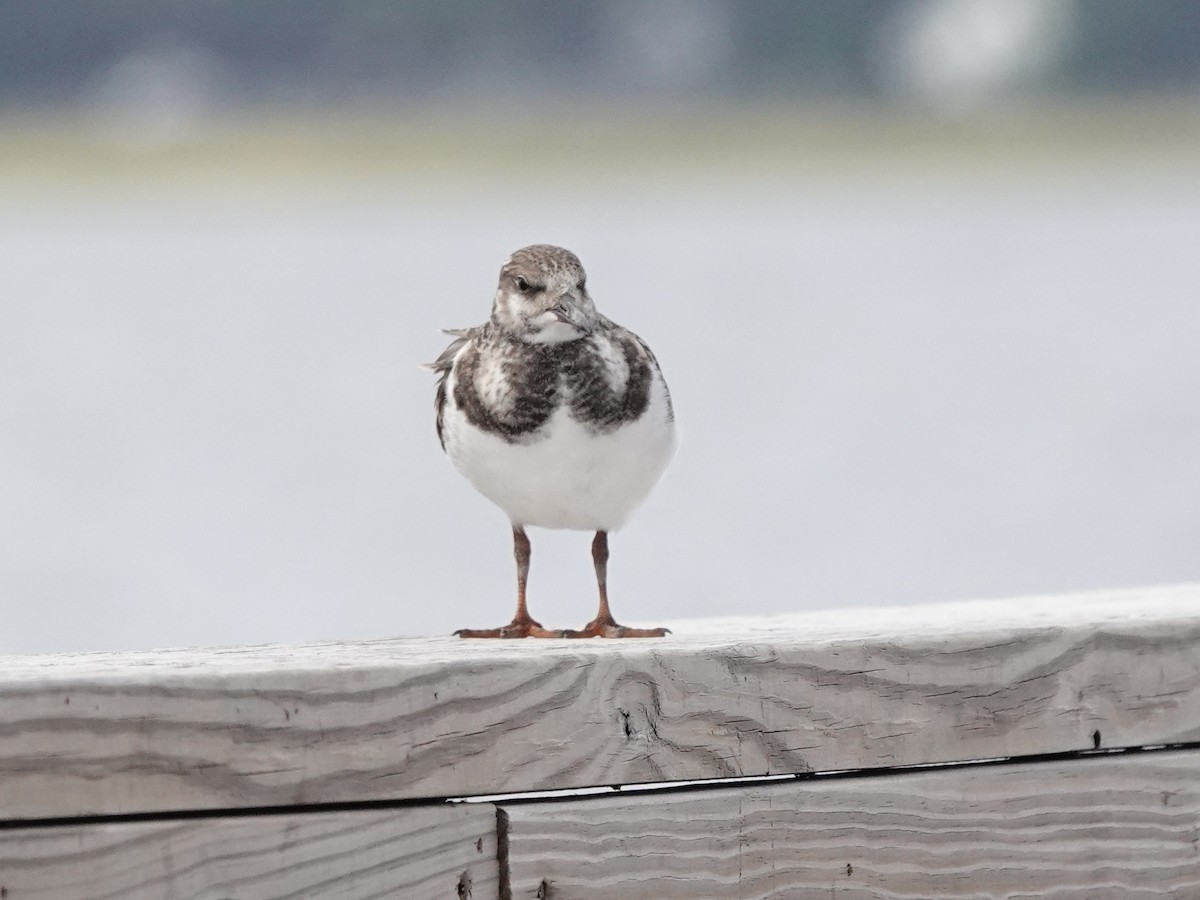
(276, 726)
(442, 853)
(1104, 828)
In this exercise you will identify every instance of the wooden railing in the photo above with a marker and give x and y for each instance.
(1031, 747)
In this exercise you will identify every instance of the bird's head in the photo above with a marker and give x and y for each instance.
(542, 296)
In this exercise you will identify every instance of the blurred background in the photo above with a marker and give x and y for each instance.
(923, 275)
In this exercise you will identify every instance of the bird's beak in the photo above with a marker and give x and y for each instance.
(568, 309)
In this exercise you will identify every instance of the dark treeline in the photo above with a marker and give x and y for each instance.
(57, 51)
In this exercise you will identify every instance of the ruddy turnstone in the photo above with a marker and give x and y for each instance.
(557, 415)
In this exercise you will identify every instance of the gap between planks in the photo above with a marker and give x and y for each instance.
(584, 794)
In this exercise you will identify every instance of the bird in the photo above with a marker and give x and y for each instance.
(559, 416)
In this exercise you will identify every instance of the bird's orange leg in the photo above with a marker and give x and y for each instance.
(522, 624)
(604, 625)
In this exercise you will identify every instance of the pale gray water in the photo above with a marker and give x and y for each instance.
(893, 388)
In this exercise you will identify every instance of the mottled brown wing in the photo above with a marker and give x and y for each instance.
(651, 358)
(442, 366)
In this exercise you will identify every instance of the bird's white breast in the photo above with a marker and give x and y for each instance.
(566, 475)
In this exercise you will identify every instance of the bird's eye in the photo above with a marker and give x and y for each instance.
(523, 286)
(582, 286)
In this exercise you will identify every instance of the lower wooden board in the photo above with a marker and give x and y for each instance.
(1119, 827)
(446, 852)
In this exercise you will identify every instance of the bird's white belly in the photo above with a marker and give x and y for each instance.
(566, 476)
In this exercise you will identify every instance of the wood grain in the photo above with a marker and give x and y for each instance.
(285, 725)
(1103, 828)
(447, 853)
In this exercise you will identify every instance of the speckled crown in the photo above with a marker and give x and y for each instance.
(543, 258)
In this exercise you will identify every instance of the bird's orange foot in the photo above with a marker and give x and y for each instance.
(608, 628)
(517, 628)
